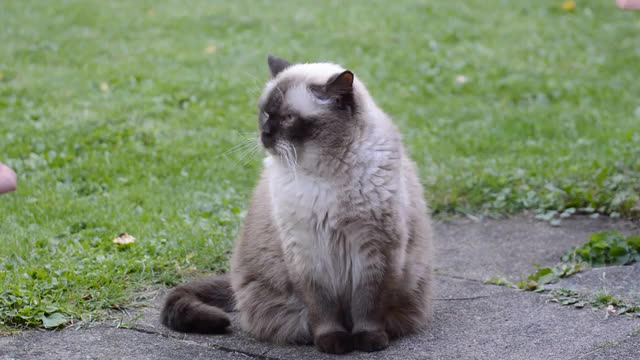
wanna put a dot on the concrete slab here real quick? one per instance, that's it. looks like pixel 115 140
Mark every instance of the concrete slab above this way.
pixel 472 321
pixel 627 348
pixel 106 343
pixel 509 248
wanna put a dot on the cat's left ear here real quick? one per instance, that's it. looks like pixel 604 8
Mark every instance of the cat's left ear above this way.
pixel 276 65
pixel 340 84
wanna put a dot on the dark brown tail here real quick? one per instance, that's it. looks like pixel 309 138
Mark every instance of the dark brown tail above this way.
pixel 199 306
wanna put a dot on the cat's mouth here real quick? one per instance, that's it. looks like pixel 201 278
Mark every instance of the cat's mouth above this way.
pixel 267 140
pixel 285 151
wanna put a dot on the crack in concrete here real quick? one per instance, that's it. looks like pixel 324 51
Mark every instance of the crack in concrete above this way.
pixel 608 344
pixel 249 354
pixel 210 345
pixel 462 298
pixel 457 277
pixel 264 354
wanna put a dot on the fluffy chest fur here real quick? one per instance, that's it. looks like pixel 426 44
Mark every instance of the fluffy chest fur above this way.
pixel 313 214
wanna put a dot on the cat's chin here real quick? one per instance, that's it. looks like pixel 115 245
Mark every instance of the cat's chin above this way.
pixel 267 161
pixel 271 159
pixel 272 152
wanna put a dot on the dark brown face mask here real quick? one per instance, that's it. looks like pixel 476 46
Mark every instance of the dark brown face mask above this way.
pixel 281 122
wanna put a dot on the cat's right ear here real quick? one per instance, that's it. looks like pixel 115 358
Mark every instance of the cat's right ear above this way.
pixel 276 65
pixel 340 84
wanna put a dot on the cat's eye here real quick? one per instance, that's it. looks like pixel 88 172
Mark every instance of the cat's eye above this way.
pixel 323 100
pixel 321 97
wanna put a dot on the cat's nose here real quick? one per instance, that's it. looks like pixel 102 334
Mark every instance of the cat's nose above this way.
pixel 267 127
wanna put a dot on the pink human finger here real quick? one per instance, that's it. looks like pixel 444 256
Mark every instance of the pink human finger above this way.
pixel 8 179
pixel 628 4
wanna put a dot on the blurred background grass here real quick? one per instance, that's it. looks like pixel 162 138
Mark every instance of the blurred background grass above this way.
pixel 118 116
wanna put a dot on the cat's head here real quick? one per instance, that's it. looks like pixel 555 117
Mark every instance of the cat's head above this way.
pixel 307 108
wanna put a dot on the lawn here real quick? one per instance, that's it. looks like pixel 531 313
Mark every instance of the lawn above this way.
pixel 119 116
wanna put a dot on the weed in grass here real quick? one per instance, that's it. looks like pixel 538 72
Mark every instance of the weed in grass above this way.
pixel 606 248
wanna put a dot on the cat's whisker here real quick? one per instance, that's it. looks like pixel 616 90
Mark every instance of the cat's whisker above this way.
pixel 239 147
pixel 294 160
pixel 251 150
pixel 247 134
pixel 295 155
pixel 283 153
pixel 249 153
pixel 240 150
pixel 290 157
pixel 247 143
pixel 246 153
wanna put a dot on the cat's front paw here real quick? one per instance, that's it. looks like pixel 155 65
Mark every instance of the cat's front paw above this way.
pixel 370 340
pixel 338 342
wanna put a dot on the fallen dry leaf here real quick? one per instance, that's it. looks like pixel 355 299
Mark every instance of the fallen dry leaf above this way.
pixel 104 87
pixel 210 49
pixel 568 5
pixel 124 239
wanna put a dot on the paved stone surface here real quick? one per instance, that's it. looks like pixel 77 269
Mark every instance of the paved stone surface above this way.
pixel 619 281
pixel 509 248
pixel 105 343
pixel 472 320
pixel 627 348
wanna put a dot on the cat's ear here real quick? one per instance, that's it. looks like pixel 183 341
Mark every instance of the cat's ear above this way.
pixel 276 65
pixel 340 84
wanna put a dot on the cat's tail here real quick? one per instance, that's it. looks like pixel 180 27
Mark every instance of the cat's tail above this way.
pixel 199 306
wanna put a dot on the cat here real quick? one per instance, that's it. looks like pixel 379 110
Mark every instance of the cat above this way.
pixel 336 246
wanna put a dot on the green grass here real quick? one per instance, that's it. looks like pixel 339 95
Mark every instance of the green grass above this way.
pixel 116 119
